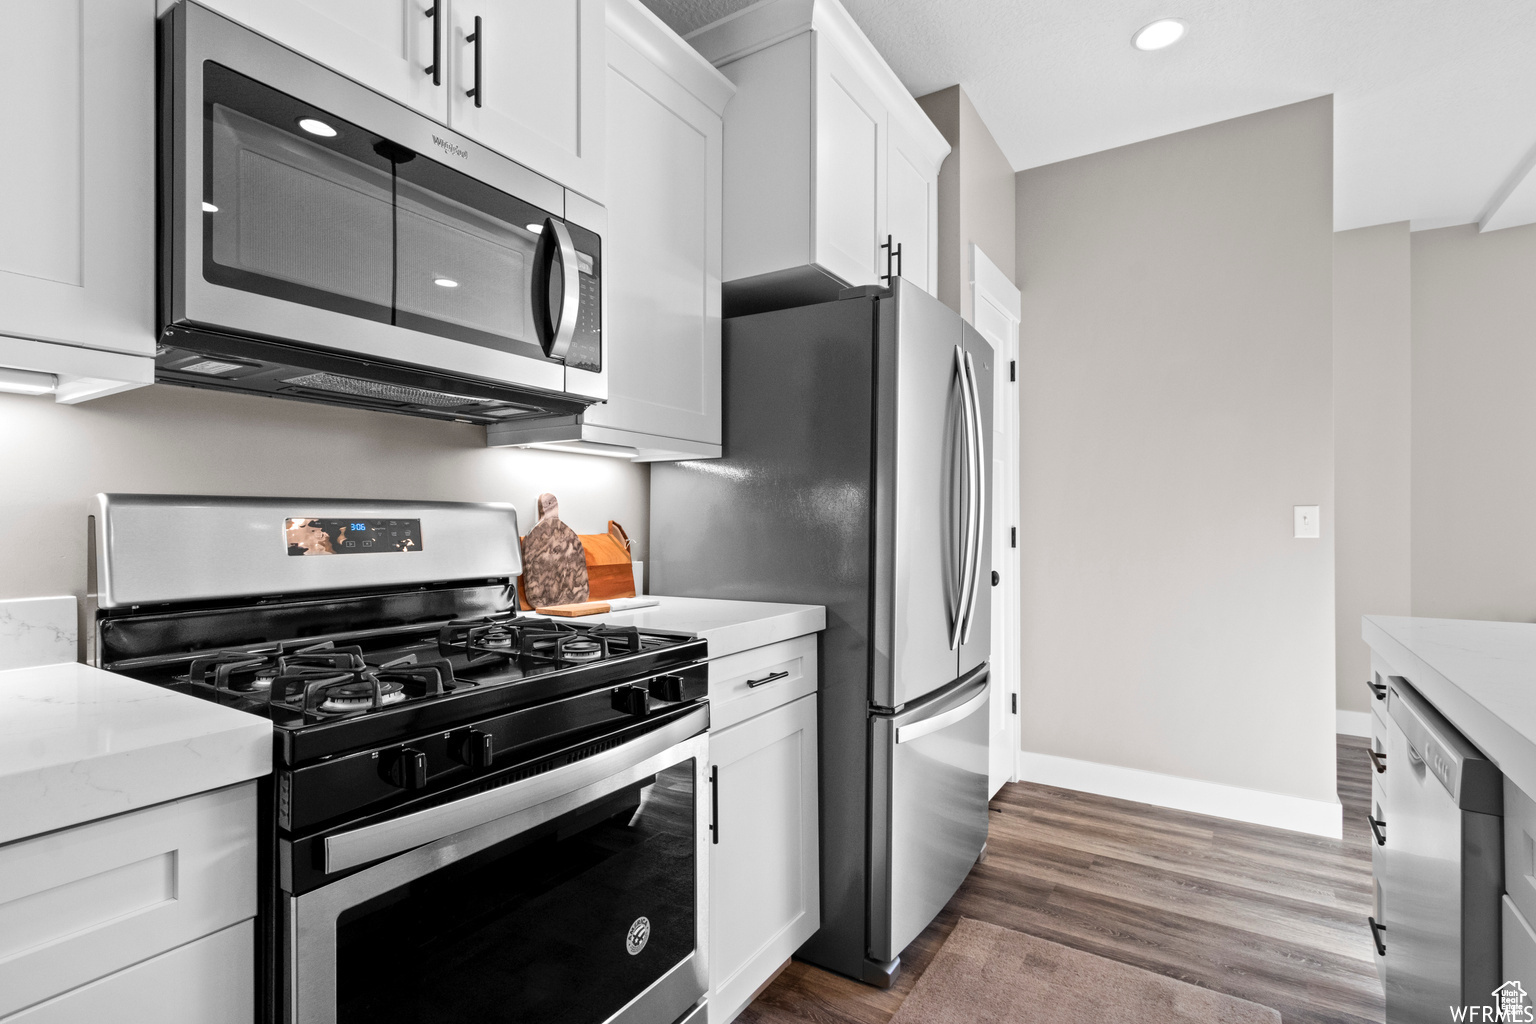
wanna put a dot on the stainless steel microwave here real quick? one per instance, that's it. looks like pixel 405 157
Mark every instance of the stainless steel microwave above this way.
pixel 322 242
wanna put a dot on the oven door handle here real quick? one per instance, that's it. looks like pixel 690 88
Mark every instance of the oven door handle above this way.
pixel 365 845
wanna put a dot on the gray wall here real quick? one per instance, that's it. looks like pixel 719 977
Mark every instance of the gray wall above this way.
pixel 178 440
pixel 976 197
pixel 1177 402
pixel 1474 423
pixel 1371 390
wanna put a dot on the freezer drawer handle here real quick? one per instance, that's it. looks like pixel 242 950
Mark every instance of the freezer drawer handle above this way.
pixel 1379 760
pixel 1376 930
pixel 772 676
pixel 1376 829
pixel 917 730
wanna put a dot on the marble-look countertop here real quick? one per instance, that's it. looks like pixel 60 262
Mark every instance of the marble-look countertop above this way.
pixel 37 631
pixel 77 744
pixel 1480 675
pixel 729 626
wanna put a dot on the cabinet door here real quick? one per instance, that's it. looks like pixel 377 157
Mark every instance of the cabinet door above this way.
pixel 207 980
pixel 912 210
pixel 386 45
pixel 849 168
pixel 77 260
pixel 540 95
pixel 663 254
pixel 764 882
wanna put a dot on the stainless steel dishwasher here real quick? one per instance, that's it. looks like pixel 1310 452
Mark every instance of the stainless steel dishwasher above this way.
pixel 1443 862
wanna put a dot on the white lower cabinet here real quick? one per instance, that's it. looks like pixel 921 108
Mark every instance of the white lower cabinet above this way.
pixel 764 880
pixel 210 980
pixel 146 914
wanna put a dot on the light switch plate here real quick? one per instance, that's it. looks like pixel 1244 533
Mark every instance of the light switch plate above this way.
pixel 1309 524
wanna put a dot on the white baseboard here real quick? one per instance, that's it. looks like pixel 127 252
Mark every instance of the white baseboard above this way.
pixel 1297 814
pixel 1354 723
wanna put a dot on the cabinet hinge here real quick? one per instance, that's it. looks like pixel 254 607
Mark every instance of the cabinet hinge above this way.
pixel 1013 369
pixel 1015 702
pixel 1013 536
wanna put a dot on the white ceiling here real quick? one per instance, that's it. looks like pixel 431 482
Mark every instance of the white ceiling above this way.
pixel 1434 100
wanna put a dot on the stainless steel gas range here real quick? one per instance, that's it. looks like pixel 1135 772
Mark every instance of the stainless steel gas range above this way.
pixel 475 815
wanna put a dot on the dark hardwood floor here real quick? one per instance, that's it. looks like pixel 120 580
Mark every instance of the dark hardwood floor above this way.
pixel 1272 916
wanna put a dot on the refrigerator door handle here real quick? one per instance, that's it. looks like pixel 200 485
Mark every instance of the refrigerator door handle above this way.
pixel 924 726
pixel 978 503
pixel 967 543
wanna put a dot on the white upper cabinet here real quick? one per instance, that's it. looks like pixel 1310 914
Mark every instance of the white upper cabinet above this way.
pixel 827 158
pixel 662 266
pixel 535 68
pixel 77 260
pixel 538 65
pixel 387 45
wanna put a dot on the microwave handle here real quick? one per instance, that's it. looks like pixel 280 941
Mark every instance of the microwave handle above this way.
pixel 556 328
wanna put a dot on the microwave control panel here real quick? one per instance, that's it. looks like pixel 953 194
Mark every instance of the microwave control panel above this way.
pixel 586 351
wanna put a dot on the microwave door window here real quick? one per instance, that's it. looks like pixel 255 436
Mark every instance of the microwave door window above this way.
pixel 464 260
pixel 301 201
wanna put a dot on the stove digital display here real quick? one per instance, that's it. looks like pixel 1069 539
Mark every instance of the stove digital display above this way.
pixel 312 536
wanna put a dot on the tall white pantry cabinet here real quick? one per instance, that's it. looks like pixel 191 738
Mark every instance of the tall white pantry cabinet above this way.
pixel 831 167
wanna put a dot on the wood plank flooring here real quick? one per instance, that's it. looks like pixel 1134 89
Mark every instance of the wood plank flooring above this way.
pixel 1272 916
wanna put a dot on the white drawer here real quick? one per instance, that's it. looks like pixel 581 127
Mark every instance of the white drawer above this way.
pixel 747 684
pixel 206 981
pixel 1520 850
pixel 82 903
pixel 1519 948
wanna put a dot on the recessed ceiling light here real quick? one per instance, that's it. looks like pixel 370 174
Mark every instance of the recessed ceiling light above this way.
pixel 1159 34
pixel 325 131
pixel 209 207
pixel 445 282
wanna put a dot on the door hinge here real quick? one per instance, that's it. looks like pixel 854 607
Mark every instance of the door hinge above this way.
pixel 1013 536
pixel 1013 369
pixel 1015 702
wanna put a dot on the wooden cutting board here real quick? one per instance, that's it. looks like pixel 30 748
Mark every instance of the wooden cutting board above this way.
pixel 609 570
pixel 554 567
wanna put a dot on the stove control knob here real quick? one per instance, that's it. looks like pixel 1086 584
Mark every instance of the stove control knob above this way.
pixel 668 688
pixel 407 768
pixel 474 748
pixel 632 700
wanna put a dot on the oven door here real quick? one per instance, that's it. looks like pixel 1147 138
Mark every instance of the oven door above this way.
pixel 582 907
pixel 302 208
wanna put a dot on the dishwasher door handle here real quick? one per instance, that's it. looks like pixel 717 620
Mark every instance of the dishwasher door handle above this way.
pixel 1376 930
pixel 1379 760
pixel 1376 829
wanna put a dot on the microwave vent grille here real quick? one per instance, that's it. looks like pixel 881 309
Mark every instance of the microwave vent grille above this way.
pixel 339 384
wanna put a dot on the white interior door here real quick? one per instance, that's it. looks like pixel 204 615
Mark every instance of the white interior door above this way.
pixel 997 319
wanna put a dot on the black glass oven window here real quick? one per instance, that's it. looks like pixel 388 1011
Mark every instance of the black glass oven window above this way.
pixel 561 925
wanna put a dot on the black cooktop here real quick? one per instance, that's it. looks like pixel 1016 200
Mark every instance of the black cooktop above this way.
pixel 325 697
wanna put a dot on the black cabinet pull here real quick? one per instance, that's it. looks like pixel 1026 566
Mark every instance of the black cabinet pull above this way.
pixel 768 679
pixel 1376 930
pixel 474 37
pixel 1379 760
pixel 892 259
pixel 1376 826
pixel 714 804
pixel 435 69
pixel 1378 690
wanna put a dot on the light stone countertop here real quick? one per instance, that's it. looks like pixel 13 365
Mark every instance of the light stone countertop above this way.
pixel 729 626
pixel 1480 675
pixel 78 743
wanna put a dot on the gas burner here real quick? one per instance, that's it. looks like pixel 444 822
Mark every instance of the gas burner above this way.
pixel 362 694
pixel 581 650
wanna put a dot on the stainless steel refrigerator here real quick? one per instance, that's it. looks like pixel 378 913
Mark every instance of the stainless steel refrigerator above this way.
pixel 854 476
